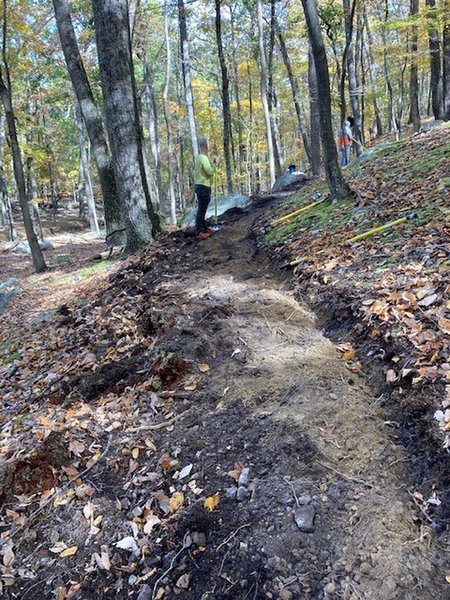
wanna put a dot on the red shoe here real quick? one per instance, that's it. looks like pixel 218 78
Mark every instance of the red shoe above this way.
pixel 203 235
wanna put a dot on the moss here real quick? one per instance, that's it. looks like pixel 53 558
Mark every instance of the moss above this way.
pixel 11 358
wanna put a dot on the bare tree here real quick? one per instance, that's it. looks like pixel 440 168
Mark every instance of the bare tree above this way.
pixel 339 189
pixel 173 204
pixel 435 61
pixel 446 51
pixel 85 171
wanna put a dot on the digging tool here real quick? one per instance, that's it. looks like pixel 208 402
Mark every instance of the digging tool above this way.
pixel 216 227
pixel 298 212
pixel 374 230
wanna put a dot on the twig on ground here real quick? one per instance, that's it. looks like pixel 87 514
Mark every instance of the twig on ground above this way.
pixel 348 477
pixel 157 426
pixel 230 537
pixel 293 491
pixel 187 541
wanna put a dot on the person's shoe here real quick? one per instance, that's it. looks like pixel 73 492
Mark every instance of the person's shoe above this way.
pixel 203 235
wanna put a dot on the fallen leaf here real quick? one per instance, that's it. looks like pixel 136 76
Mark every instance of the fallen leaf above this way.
pixel 8 557
pixel 135 453
pixel 391 376
pixel 203 367
pixel 236 472
pixel 185 471
pixel 69 551
pixel 151 522
pixel 176 501
pixel 211 502
pixel 444 324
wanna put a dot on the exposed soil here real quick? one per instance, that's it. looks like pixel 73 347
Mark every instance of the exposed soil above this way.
pixel 278 400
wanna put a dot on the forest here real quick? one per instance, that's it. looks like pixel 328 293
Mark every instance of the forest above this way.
pixel 252 406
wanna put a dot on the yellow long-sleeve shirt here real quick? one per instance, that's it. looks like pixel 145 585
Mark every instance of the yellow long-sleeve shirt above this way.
pixel 203 171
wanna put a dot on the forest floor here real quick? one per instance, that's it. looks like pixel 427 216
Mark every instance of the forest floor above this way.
pixel 178 425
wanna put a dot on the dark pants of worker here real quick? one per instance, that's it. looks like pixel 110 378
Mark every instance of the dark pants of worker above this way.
pixel 204 198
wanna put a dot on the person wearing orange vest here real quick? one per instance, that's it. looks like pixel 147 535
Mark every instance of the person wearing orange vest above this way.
pixel 345 140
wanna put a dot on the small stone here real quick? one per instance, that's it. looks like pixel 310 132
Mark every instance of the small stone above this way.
pixel 244 477
pixel 184 581
pixel 199 538
pixel 304 500
pixel 286 594
pixel 304 518
pixel 324 555
pixel 242 494
pixel 231 493
pixel 365 568
pixel 330 588
pixel 145 593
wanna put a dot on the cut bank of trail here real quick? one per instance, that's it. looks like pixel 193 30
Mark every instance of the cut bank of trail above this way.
pixel 321 509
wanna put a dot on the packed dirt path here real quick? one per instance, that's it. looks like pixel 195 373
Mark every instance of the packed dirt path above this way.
pixel 324 511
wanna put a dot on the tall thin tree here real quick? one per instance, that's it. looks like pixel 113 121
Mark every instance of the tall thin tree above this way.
pixel 339 189
pixel 19 174
pixel 414 69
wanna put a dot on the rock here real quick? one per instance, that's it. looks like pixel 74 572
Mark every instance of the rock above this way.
pixel 5 298
pixel 60 259
pixel 183 581
pixel 288 180
pixel 431 125
pixel 330 588
pixel 145 593
pixel 304 500
pixel 199 538
pixel 231 493
pixel 304 518
pixel 224 203
pixel 22 248
pixel 324 555
pixel 11 282
pixel 242 494
pixel 244 477
pixel 286 595
pixel 46 246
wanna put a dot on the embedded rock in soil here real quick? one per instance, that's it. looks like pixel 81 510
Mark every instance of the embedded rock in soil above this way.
pixel 304 518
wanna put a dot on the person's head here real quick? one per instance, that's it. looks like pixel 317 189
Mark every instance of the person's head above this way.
pixel 203 145
pixel 351 121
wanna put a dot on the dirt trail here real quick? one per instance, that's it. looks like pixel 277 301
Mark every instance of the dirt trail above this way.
pixel 279 401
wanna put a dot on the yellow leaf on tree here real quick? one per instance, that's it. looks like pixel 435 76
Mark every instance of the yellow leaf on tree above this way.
pixel 211 502
pixel 176 501
pixel 69 551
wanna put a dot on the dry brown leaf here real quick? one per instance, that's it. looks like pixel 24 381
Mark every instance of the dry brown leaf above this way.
pixel 176 501
pixel 203 367
pixel 69 551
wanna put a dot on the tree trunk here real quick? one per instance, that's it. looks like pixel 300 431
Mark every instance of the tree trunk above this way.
pixel 186 70
pixel 170 158
pixel 225 99
pixel 446 52
pixel 116 73
pixel 19 175
pixel 350 68
pixel 435 61
pixel 414 80
pixel 339 189
pixel 86 177
pixel 93 120
pixel 264 93
pixel 133 6
pixel 271 98
pixel 314 109
pixel 296 97
pixel 378 124
pixel 153 128
pixel 237 95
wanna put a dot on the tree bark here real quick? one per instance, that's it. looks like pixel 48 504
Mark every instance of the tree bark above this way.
pixel 237 95
pixel 414 79
pixel 271 98
pixel 225 99
pixel 153 128
pixel 435 61
pixel 446 52
pixel 170 158
pixel 314 109
pixel 93 121
pixel 264 93
pixel 338 187
pixel 19 175
pixel 378 124
pixel 85 173
pixel 117 80
pixel 186 70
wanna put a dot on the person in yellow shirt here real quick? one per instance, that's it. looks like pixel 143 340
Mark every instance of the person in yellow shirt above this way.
pixel 203 180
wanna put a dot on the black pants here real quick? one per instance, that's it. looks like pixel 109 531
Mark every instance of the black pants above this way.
pixel 204 198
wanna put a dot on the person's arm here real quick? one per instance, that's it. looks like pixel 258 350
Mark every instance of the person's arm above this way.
pixel 207 166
